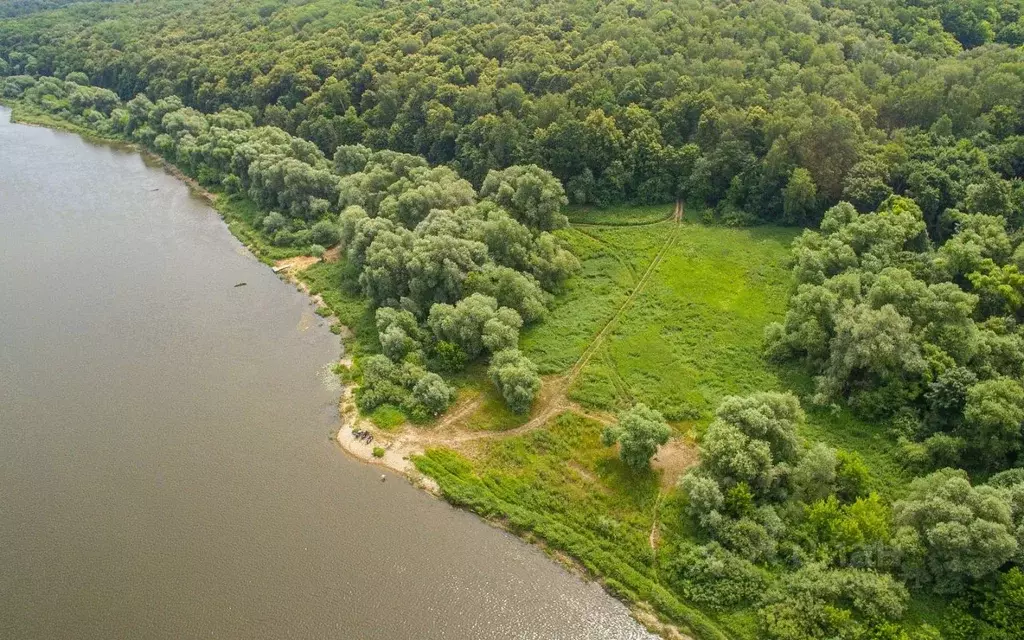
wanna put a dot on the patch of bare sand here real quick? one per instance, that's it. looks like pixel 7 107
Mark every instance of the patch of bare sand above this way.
pixel 294 265
pixel 333 254
pixel 398 450
pixel 674 459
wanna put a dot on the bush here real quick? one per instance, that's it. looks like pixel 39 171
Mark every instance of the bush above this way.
pixel 325 233
pixel 232 184
pixel 274 222
pixel 382 383
pixel 432 392
pixel 818 602
pixel 387 417
pixel 15 86
pixel 378 452
pixel 712 576
pixel 990 611
pixel 287 238
pixel 449 357
pixel 317 251
pixel 639 433
pixel 398 331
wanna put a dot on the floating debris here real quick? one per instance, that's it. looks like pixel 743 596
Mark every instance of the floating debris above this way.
pixel 240 284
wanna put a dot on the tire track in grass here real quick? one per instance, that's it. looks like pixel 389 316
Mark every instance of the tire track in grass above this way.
pixel 612 251
pixel 556 400
pixel 588 353
pixel 553 397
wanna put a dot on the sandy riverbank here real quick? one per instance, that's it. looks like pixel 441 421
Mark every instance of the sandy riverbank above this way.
pixel 397 451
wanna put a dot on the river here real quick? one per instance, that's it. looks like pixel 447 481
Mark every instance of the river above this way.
pixel 165 468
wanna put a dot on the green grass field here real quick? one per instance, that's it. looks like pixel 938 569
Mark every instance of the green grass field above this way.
pixel 579 312
pixel 694 334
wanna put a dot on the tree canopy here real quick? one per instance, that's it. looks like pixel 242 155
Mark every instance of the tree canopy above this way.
pixel 770 110
pixel 909 328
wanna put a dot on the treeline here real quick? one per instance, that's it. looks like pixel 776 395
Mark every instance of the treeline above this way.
pixel 14 8
pixel 764 111
pixel 452 273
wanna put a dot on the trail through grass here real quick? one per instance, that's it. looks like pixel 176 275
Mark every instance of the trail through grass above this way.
pixel 695 334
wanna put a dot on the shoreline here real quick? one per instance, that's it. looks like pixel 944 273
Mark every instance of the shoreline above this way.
pixel 403 444
pixel 46 121
pixel 397 452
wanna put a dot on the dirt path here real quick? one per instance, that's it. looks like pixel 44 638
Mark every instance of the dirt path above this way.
pixel 655 535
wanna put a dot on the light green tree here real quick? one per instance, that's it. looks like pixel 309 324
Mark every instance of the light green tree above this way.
pixel 950 533
pixel 515 376
pixel 639 432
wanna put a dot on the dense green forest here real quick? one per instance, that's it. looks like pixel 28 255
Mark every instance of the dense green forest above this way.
pixel 437 144
pixel 765 110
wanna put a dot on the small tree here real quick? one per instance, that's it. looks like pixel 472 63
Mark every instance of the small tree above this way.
pixel 639 432
pixel 516 378
pixel 398 331
pixel 274 222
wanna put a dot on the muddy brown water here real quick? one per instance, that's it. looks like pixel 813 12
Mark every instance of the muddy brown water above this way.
pixel 165 468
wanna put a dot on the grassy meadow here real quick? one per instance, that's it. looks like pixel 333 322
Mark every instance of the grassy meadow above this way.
pixel 694 333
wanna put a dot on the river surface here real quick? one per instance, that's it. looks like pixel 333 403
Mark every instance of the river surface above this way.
pixel 165 468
